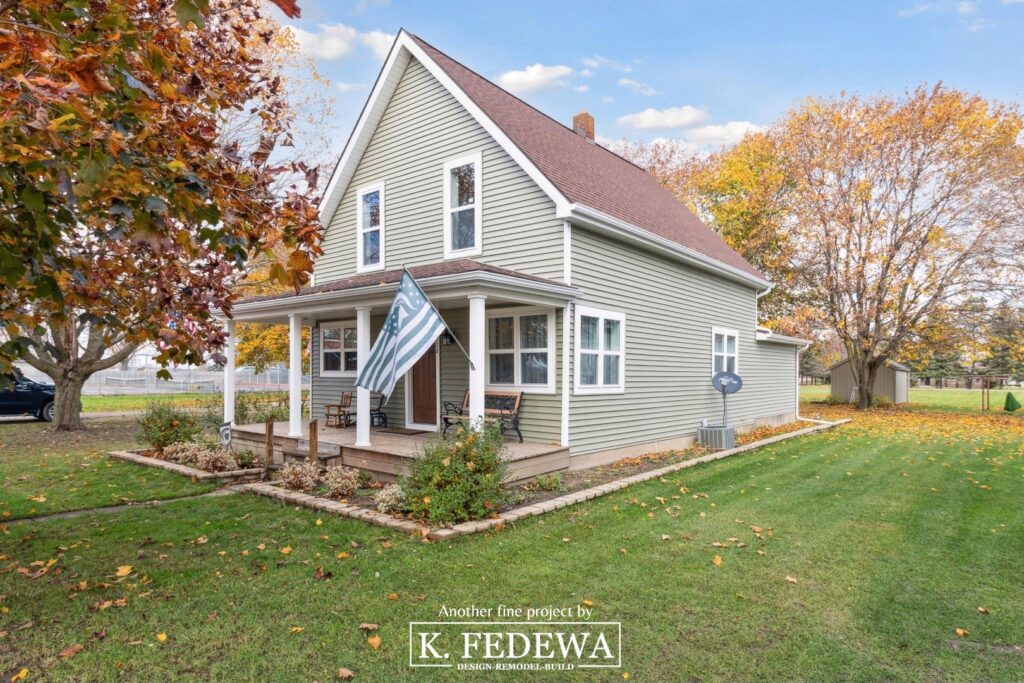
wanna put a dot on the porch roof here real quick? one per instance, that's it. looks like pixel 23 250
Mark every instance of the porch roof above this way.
pixel 444 282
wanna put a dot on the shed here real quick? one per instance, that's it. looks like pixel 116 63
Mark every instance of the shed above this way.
pixel 891 381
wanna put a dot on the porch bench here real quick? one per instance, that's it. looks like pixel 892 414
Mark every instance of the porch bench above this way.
pixel 501 407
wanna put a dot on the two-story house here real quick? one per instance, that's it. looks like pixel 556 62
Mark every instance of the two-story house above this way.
pixel 568 273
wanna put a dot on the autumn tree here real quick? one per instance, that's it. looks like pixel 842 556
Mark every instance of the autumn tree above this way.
pixel 1004 341
pixel 901 206
pixel 126 212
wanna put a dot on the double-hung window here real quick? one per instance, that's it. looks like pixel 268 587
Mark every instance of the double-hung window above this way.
pixel 370 228
pixel 600 352
pixel 462 207
pixel 725 351
pixel 338 357
pixel 521 349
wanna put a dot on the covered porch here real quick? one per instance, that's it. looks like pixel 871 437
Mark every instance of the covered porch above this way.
pixel 477 301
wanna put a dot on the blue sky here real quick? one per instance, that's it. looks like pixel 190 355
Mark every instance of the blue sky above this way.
pixel 704 72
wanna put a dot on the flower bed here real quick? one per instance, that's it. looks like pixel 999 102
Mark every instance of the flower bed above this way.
pixel 145 457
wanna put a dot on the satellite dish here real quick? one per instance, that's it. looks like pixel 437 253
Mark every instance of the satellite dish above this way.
pixel 727 382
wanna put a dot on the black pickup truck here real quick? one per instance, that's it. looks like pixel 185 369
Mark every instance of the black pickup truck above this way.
pixel 22 396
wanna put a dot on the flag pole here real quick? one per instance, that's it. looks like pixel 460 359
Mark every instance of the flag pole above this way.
pixel 457 342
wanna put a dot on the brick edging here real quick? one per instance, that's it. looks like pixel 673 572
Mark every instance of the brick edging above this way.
pixel 229 477
pixel 514 515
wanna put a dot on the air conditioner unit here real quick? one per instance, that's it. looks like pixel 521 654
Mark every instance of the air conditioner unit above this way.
pixel 716 438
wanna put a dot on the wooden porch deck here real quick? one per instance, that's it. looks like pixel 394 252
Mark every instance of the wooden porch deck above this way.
pixel 391 453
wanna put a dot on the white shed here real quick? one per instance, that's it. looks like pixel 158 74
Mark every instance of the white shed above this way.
pixel 892 381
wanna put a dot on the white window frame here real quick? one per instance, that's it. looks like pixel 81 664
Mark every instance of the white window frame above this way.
pixel 477 160
pixel 729 332
pixel 360 193
pixel 600 387
pixel 337 325
pixel 517 350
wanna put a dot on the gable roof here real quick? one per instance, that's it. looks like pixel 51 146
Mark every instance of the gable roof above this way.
pixel 588 183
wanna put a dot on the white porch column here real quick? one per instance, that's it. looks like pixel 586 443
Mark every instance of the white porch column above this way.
pixel 229 372
pixel 477 355
pixel 362 394
pixel 294 375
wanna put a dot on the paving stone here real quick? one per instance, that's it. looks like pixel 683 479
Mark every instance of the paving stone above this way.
pixel 443 534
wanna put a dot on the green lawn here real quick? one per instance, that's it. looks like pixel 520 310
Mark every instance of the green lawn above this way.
pixel 42 472
pixel 109 404
pixel 924 398
pixel 896 528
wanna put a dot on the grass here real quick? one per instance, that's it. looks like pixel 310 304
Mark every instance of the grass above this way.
pixel 43 472
pixel 928 399
pixel 896 528
pixel 92 403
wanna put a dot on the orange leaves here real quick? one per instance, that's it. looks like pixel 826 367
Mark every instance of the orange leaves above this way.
pixel 123 571
pixel 71 651
pixel 374 641
pixel 85 70
pixel 717 560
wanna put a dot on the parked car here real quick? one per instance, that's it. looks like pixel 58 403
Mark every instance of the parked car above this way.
pixel 27 397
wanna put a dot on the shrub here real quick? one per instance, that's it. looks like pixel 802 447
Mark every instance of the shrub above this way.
pixel 184 453
pixel 248 458
pixel 341 481
pixel 545 482
pixel 300 476
pixel 458 479
pixel 391 498
pixel 216 460
pixel 882 401
pixel 161 425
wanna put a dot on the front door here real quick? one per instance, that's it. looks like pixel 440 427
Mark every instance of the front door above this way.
pixel 423 389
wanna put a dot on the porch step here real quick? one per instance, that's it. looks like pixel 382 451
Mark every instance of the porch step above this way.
pixel 324 459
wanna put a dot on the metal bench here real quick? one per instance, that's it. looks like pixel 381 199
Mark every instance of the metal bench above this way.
pixel 499 406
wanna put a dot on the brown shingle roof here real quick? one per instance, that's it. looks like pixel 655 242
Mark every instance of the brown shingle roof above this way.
pixel 587 173
pixel 386 277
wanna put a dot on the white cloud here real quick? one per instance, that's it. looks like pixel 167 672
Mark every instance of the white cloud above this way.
pixel 337 41
pixel 720 135
pixel 638 87
pixel 597 61
pixel 919 8
pixel 582 88
pixel 663 119
pixel 587 73
pixel 1012 2
pixel 378 41
pixel 349 87
pixel 533 78
pixel 966 8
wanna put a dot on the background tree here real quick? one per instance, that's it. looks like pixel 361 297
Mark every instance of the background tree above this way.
pixel 901 206
pixel 1004 341
pixel 126 215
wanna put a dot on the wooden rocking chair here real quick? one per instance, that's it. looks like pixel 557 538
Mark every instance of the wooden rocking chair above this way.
pixel 339 414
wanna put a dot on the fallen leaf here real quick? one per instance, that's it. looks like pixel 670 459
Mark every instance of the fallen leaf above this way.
pixel 374 642
pixel 665 537
pixel 983 610
pixel 343 555
pixel 392 596
pixel 262 546
pixel 71 650
pixel 297 629
pixel 962 632
pixel 716 560
pixel 286 550
pixel 319 522
pixel 368 627
pixel 321 574
pixel 791 579
pixel 201 540
pixel 588 603
pixel 162 637
pixel 20 676
pixel 345 674
pixel 38 499
pixel 124 570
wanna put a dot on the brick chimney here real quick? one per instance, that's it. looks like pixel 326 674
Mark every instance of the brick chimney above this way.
pixel 583 123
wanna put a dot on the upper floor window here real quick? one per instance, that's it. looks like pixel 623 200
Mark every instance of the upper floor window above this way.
pixel 725 350
pixel 338 356
pixel 600 351
pixel 370 228
pixel 462 207
pixel 521 349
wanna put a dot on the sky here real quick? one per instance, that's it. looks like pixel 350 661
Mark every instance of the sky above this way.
pixel 702 72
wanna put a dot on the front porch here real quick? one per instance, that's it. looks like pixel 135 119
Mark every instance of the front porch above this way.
pixel 390 453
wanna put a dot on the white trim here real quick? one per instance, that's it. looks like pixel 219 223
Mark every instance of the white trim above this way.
pixel 567 252
pixel 606 224
pixel 362 393
pixel 727 332
pixel 476 159
pixel 566 319
pixel 407 390
pixel 517 351
pixel 338 325
pixel 580 390
pixel 403 48
pixel 360 193
pixel 229 371
pixel 294 376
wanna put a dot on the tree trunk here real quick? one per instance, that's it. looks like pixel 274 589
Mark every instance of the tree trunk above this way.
pixel 68 404
pixel 864 371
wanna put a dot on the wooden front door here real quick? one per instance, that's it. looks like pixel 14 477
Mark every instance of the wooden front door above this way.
pixel 423 391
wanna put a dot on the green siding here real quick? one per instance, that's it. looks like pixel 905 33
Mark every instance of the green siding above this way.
pixel 670 310
pixel 422 127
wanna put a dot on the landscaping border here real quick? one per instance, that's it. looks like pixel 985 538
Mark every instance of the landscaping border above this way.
pixel 229 477
pixel 514 515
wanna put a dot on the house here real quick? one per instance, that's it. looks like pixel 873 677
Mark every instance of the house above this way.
pixel 892 382
pixel 567 272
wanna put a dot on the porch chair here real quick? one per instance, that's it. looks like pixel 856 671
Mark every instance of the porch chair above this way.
pixel 499 406
pixel 378 418
pixel 339 414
